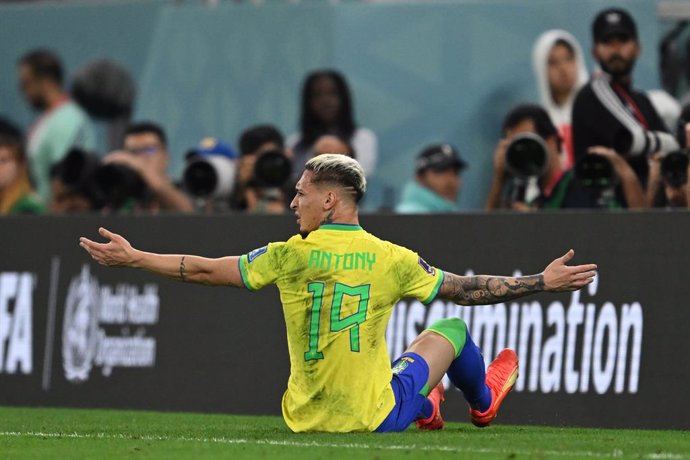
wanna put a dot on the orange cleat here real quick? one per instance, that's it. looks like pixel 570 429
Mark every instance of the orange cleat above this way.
pixel 500 378
pixel 435 422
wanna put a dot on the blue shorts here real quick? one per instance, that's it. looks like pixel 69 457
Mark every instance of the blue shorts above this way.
pixel 410 376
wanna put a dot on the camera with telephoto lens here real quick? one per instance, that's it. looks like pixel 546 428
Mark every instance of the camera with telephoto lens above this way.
pixel 674 168
pixel 526 156
pixel 210 170
pixel 75 172
pixel 595 172
pixel 640 141
pixel 526 160
pixel 271 172
pixel 119 185
pixel 110 185
pixel 272 169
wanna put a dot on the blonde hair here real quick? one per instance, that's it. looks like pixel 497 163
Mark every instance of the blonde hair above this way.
pixel 341 170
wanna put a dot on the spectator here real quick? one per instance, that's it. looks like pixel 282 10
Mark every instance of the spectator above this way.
pixel 146 153
pixel 552 187
pixel 608 109
pixel 263 173
pixel 437 182
pixel 327 109
pixel 330 143
pixel 62 124
pixel 16 195
pixel 560 71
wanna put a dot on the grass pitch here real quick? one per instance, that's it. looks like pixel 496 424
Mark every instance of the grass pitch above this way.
pixel 102 434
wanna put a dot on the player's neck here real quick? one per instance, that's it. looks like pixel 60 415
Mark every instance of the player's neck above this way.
pixel 348 216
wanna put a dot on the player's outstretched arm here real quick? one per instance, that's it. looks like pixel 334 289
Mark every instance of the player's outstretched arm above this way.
pixel 117 252
pixel 488 289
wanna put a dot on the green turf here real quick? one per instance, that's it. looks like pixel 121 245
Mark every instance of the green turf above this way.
pixel 103 434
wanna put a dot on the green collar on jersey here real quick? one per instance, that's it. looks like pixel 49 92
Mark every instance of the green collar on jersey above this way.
pixel 344 227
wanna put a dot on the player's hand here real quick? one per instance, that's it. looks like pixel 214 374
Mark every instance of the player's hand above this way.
pixel 559 277
pixel 115 253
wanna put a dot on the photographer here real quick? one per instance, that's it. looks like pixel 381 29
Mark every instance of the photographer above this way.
pixel 607 111
pixel 617 187
pixel 263 172
pixel 525 186
pixel 73 188
pixel 667 185
pixel 145 153
pixel 81 182
pixel 528 174
pixel 209 174
pixel 670 173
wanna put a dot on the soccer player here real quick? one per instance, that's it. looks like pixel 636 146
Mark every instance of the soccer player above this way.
pixel 338 285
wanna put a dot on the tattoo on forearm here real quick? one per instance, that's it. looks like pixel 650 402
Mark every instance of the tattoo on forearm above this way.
pixel 183 275
pixel 482 289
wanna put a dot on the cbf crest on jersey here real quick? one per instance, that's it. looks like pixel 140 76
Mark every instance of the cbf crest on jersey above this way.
pixel 427 268
pixel 402 364
pixel 256 253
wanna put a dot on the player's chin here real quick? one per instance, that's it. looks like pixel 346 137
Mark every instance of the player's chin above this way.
pixel 305 230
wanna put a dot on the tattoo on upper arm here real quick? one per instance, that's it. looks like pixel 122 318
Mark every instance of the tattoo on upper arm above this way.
pixel 183 275
pixel 482 289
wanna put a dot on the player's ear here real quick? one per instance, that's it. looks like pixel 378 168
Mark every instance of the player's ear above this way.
pixel 329 200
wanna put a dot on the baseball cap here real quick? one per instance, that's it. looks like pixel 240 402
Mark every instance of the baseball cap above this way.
pixel 611 22
pixel 439 157
pixel 212 146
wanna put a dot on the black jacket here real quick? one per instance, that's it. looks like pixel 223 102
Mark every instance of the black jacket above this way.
pixel 601 110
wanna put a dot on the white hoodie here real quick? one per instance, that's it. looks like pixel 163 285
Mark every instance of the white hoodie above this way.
pixel 540 59
pixel 560 115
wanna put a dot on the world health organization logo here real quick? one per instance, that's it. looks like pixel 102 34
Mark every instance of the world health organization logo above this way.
pixel 80 326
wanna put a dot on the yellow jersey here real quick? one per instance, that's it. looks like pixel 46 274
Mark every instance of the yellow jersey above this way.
pixel 338 287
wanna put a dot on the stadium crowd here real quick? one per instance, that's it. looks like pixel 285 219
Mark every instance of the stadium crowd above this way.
pixel 592 141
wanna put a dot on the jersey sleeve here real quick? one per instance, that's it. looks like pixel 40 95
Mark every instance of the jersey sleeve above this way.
pixel 417 278
pixel 261 266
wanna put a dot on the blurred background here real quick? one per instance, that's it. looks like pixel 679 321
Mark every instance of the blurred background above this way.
pixel 419 71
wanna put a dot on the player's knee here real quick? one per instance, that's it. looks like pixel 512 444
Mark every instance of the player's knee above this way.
pixel 452 329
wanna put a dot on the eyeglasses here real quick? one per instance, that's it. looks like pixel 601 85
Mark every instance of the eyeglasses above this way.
pixel 145 150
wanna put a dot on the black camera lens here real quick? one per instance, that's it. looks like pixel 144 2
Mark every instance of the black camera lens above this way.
pixel 272 169
pixel 595 171
pixel 76 166
pixel 674 168
pixel 119 184
pixel 200 178
pixel 526 155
